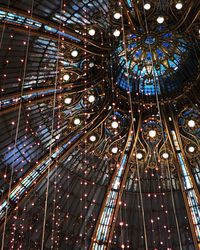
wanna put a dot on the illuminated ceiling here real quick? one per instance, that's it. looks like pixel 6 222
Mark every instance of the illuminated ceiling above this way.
pixel 100 124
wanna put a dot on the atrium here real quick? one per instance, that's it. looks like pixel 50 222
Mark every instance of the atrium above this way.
pixel 100 124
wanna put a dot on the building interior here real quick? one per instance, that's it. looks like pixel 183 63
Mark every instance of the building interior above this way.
pixel 100 124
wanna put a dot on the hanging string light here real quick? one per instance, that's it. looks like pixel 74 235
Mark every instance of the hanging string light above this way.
pixel 17 130
pixel 162 128
pixel 84 170
pixel 52 133
pixel 133 129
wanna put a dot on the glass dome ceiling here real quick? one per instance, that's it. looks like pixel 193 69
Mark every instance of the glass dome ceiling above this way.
pixel 99 125
pixel 155 62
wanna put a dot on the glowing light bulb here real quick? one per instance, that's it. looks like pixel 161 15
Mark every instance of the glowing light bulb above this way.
pixel 147 6
pixel 117 15
pixel 57 137
pixel 91 32
pixel 114 150
pixel 66 77
pixel 179 5
pixel 68 100
pixel 152 133
pixel 139 156
pixel 91 64
pixel 74 53
pixel 165 155
pixel 116 33
pixel 160 19
pixel 191 123
pixel 91 98
pixel 93 138
pixel 77 121
pixel 191 149
pixel 114 124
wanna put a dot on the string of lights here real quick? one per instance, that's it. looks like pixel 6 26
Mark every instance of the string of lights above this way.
pixel 99 124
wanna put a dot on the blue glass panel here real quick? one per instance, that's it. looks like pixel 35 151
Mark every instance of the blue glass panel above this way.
pixel 160 53
pixel 149 56
pixel 166 45
pixel 132 45
pixel 167 35
pixel 172 64
pixel 138 53
pixel 75 7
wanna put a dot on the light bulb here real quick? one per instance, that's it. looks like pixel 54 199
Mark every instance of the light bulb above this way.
pixel 139 156
pixel 57 136
pixel 165 155
pixel 179 5
pixel 91 64
pixel 114 124
pixel 116 33
pixel 152 133
pixel 91 98
pixel 117 15
pixel 114 150
pixel 93 138
pixel 191 123
pixel 147 6
pixel 160 19
pixel 66 77
pixel 191 149
pixel 91 32
pixel 74 53
pixel 77 121
pixel 68 100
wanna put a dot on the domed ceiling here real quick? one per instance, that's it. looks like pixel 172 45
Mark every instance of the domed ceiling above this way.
pixel 100 124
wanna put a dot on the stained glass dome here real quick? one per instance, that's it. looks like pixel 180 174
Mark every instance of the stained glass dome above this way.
pixel 99 125
pixel 155 62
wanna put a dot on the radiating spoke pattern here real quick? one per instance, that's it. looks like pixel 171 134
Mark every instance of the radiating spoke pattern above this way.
pixel 99 124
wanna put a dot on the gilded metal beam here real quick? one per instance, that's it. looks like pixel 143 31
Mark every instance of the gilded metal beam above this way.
pixel 106 231
pixel 135 137
pixel 53 25
pixel 183 192
pixel 67 89
pixel 90 126
pixel 127 11
pixel 54 37
pixel 175 121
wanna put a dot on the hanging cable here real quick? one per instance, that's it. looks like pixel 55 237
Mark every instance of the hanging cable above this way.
pixel 17 129
pixel 133 129
pixel 4 25
pixel 113 101
pixel 162 131
pixel 52 130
